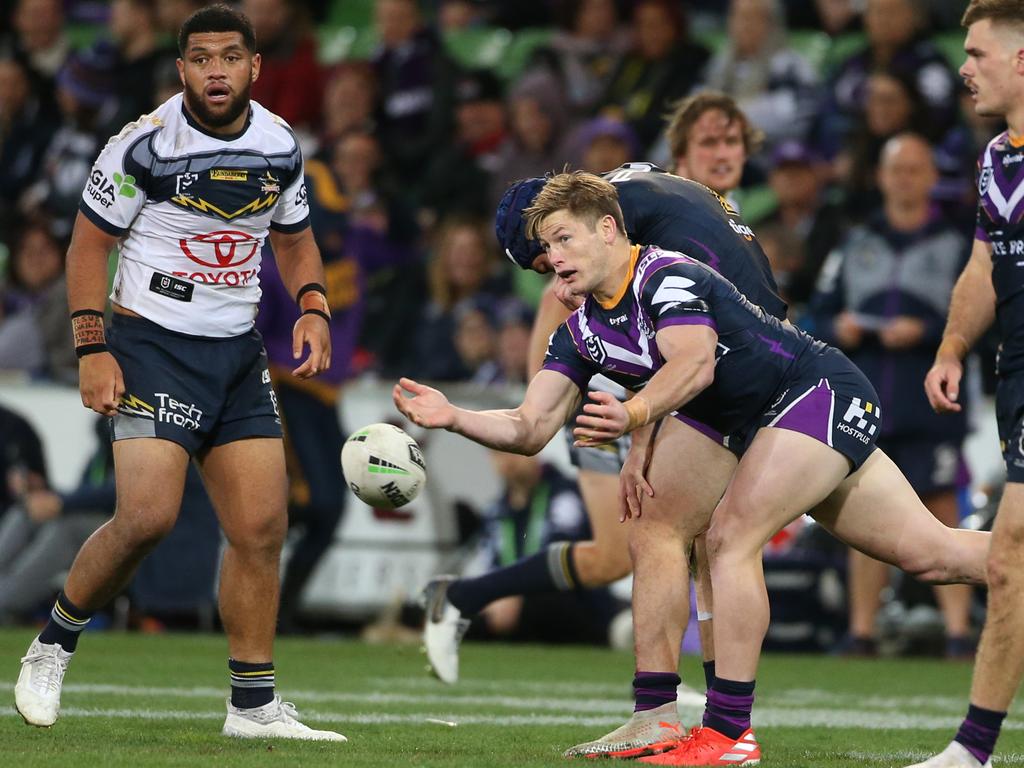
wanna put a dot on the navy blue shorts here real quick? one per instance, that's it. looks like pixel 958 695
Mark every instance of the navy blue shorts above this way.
pixel 931 466
pixel 1010 421
pixel 827 398
pixel 197 391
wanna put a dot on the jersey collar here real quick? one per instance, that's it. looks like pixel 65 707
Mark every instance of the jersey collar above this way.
pixel 220 136
pixel 634 254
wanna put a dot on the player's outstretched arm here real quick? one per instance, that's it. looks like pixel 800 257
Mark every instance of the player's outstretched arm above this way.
pixel 971 311
pixel 298 261
pixel 689 353
pixel 100 381
pixel 549 400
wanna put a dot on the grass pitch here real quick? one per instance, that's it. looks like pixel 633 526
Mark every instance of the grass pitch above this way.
pixel 139 700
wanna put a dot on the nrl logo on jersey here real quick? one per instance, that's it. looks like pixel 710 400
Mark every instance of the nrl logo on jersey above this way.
pixel 984 179
pixel 596 350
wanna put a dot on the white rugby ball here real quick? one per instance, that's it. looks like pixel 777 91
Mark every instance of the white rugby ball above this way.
pixel 383 466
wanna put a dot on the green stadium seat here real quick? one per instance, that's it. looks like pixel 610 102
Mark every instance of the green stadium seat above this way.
pixel 519 53
pixel 811 44
pixel 756 203
pixel 478 47
pixel 952 46
pixel 83 36
pixel 339 43
pixel 350 13
pixel 842 48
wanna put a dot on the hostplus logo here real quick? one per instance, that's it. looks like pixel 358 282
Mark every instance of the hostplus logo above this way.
pixel 857 420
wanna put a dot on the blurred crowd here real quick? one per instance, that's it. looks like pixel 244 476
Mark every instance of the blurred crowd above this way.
pixel 411 136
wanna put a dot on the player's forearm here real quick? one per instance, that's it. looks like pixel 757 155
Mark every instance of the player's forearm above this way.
pixel 86 271
pixel 502 430
pixel 300 266
pixel 677 382
pixel 971 312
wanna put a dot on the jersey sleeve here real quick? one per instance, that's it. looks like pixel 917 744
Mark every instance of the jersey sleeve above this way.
pixel 564 357
pixel 981 221
pixel 674 292
pixel 115 191
pixel 292 211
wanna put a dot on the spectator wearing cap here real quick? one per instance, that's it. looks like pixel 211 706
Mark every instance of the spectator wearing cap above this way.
pixel 662 66
pixel 85 98
pixel 291 81
pixel 458 179
pixel 808 211
pixel 882 297
pixel 602 144
pixel 774 85
pixel 415 79
pixel 26 127
pixel 538 120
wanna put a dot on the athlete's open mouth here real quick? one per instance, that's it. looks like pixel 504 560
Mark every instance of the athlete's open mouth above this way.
pixel 218 93
pixel 565 274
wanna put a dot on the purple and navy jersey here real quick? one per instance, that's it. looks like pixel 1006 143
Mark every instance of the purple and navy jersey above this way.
pixel 754 355
pixel 1001 224
pixel 679 214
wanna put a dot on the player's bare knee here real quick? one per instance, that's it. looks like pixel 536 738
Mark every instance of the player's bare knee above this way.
pixel 263 533
pixel 141 530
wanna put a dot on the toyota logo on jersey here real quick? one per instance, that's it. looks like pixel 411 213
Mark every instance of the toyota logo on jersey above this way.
pixel 222 249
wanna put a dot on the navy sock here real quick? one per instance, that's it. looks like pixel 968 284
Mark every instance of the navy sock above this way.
pixel 65 625
pixel 709 674
pixel 252 685
pixel 728 708
pixel 979 731
pixel 549 570
pixel 654 689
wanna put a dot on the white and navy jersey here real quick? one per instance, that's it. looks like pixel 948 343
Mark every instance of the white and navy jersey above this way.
pixel 192 210
pixel 755 350
pixel 1001 223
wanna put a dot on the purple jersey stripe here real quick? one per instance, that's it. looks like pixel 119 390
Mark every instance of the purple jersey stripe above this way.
pixel 704 429
pixel 677 320
pixel 578 378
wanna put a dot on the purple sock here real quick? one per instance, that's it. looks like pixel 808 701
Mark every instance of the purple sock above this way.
pixel 979 731
pixel 728 708
pixel 654 689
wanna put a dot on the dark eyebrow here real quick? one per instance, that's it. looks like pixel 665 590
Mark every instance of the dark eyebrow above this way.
pixel 231 48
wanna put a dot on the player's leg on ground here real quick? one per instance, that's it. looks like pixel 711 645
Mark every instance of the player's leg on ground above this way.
pixel 877 511
pixel 688 473
pixel 866 578
pixel 150 476
pixel 999 664
pixel 954 599
pixel 245 480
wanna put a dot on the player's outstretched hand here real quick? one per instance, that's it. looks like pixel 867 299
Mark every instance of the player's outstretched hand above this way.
pixel 633 485
pixel 426 408
pixel 942 385
pixel 602 421
pixel 100 382
pixel 314 332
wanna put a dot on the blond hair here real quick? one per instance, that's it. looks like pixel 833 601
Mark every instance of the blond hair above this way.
pixel 583 194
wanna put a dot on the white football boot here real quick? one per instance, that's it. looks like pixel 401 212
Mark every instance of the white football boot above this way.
pixel 645 733
pixel 274 720
pixel 953 756
pixel 443 630
pixel 37 692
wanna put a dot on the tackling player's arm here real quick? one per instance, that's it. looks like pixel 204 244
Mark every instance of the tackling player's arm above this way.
pixel 302 271
pixel 689 368
pixel 551 313
pixel 100 380
pixel 550 400
pixel 971 311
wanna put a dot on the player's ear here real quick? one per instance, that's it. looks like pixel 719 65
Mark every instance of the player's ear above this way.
pixel 181 71
pixel 254 74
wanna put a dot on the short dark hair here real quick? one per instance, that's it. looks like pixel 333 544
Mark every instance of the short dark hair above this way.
pixel 998 11
pixel 217 18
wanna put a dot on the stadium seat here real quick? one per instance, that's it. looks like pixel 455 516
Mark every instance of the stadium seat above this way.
pixel 478 47
pixel 519 53
pixel 350 13
pixel 811 44
pixel 339 43
pixel 951 44
pixel 756 203
pixel 83 36
pixel 842 48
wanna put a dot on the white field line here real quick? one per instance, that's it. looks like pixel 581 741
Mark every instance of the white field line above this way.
pixel 584 712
